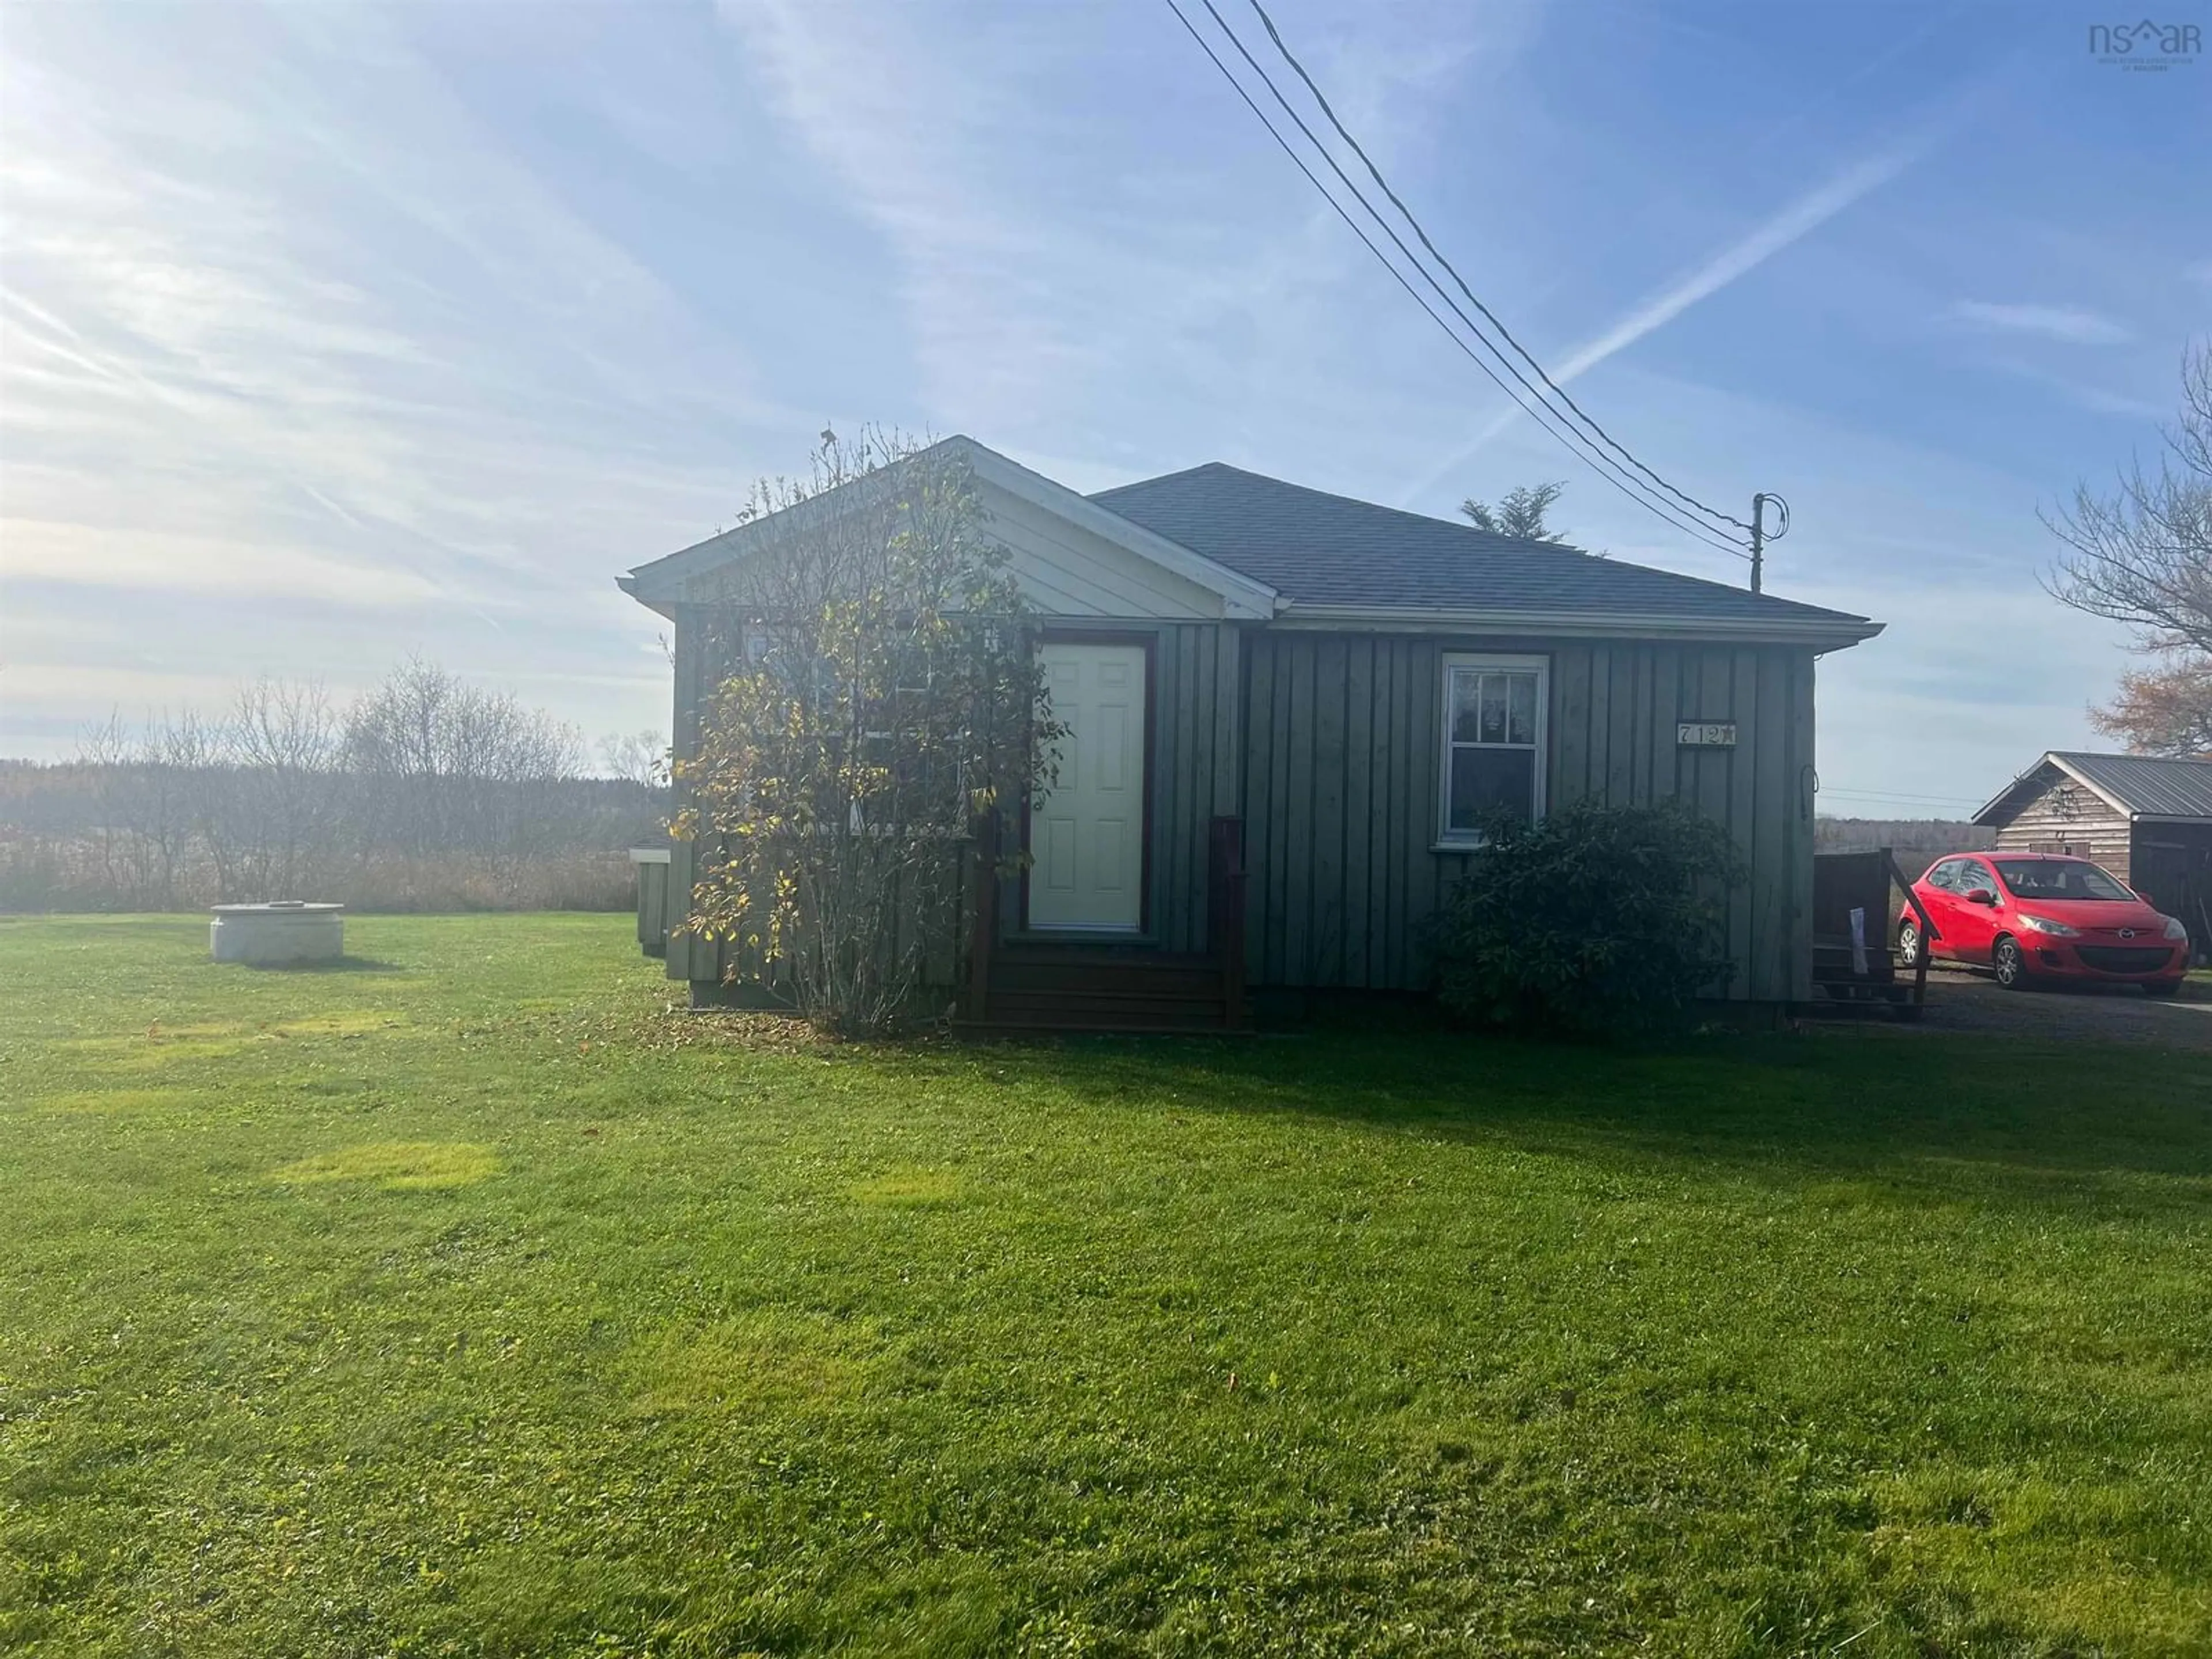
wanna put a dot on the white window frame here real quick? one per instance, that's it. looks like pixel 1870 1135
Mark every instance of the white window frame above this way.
pixel 1453 840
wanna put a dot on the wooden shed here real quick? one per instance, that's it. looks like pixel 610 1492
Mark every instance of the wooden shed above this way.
pixel 1315 701
pixel 2146 819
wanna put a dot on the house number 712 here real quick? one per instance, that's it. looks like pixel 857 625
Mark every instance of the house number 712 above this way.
pixel 1706 734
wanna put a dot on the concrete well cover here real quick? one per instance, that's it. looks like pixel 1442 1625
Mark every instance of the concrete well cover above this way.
pixel 283 930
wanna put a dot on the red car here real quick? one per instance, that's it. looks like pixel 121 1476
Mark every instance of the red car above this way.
pixel 2039 918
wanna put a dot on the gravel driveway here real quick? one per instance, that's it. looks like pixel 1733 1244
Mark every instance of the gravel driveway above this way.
pixel 1960 1001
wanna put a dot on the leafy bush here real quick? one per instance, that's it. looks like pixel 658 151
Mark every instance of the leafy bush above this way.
pixel 1598 920
pixel 878 693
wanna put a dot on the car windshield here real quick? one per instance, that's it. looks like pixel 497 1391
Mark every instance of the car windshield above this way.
pixel 2037 879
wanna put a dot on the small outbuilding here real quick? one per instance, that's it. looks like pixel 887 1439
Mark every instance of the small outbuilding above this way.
pixel 2147 820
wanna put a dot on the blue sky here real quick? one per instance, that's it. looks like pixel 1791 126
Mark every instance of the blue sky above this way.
pixel 336 334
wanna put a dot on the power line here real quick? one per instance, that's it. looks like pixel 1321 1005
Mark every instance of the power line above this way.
pixel 1608 468
pixel 1376 172
pixel 1916 800
pixel 1627 486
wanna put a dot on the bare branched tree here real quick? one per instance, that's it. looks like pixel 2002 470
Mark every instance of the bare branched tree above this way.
pixel 143 822
pixel 880 691
pixel 2142 555
pixel 426 791
pixel 281 747
pixel 455 765
pixel 638 757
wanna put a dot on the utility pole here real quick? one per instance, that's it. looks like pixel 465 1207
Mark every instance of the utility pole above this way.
pixel 1760 535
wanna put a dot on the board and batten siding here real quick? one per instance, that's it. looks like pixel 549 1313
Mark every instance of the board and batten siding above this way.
pixel 1343 774
pixel 1079 580
pixel 1196 735
pixel 1195 746
pixel 688 958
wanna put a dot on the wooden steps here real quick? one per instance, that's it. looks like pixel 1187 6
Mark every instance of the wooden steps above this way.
pixel 1027 985
pixel 1091 988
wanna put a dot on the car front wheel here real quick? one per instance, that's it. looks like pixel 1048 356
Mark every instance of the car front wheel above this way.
pixel 2011 965
pixel 1908 944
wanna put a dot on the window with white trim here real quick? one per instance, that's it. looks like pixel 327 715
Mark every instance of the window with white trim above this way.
pixel 1493 748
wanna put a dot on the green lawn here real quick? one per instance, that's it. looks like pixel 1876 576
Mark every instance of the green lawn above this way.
pixel 466 1303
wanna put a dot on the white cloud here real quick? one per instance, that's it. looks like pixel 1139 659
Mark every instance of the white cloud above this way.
pixel 93 691
pixel 1797 219
pixel 1055 253
pixel 166 562
pixel 2096 399
pixel 1780 230
pixel 286 330
pixel 2066 325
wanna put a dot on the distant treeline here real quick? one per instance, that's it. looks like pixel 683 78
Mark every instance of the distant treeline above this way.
pixel 1917 843
pixel 428 794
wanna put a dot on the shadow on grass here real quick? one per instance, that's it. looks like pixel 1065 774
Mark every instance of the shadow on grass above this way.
pixel 1955 1115
pixel 330 965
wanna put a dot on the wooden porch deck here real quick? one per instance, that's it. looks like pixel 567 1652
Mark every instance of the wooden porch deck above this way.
pixel 1036 986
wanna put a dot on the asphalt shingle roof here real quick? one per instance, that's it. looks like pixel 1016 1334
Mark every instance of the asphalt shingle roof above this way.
pixel 2162 788
pixel 1315 548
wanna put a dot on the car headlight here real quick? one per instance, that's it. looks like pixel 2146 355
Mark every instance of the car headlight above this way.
pixel 2045 925
pixel 2174 930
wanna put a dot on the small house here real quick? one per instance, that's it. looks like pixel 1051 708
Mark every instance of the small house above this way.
pixel 2146 819
pixel 1318 700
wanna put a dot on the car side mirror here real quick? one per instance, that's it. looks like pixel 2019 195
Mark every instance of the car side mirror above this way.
pixel 1981 896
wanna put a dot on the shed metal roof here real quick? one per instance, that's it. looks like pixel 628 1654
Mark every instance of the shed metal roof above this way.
pixel 2141 785
pixel 1328 552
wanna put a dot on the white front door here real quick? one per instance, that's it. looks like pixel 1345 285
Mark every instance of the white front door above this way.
pixel 1087 830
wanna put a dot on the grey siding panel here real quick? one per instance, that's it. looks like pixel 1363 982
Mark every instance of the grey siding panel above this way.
pixel 1163 905
pixel 1195 690
pixel 1188 716
pixel 1707 688
pixel 1328 745
pixel 691 690
pixel 1269 814
pixel 1358 779
pixel 1228 722
pixel 1160 746
pixel 1187 852
pixel 1742 768
pixel 1192 760
pixel 1297 853
pixel 1570 743
pixel 1427 875
pixel 1342 771
pixel 1663 763
pixel 1393 813
pixel 1770 828
pixel 1796 923
pixel 1622 667
pixel 1331 765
